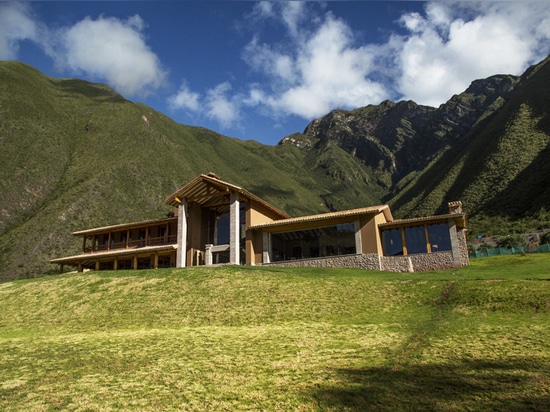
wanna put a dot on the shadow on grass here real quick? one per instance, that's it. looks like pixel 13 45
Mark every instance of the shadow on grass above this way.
pixel 516 385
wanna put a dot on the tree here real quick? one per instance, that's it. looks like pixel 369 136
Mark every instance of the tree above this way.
pixel 511 241
pixel 545 238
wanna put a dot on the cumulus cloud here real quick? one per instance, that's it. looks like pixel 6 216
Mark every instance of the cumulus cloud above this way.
pixel 16 25
pixel 106 49
pixel 444 50
pixel 185 99
pixel 220 107
pixel 322 70
pixel 115 50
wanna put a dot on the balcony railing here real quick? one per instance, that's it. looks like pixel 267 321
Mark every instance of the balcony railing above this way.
pixel 133 244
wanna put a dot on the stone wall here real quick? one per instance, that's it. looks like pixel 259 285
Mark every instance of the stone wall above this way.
pixel 369 261
pixel 463 247
pixel 412 263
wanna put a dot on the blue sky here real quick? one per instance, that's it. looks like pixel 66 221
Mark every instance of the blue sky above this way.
pixel 263 70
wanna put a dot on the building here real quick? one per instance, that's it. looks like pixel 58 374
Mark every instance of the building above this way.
pixel 217 222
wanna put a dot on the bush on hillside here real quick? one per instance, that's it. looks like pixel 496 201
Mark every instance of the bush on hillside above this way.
pixel 511 241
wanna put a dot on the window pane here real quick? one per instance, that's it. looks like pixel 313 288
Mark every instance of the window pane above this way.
pixel 415 239
pixel 393 245
pixel 439 237
pixel 312 243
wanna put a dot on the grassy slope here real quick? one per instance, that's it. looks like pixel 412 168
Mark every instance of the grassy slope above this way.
pixel 280 339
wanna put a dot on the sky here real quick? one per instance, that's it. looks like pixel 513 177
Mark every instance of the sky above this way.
pixel 264 70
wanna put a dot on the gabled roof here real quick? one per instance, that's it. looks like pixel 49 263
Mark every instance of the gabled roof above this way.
pixel 323 218
pixel 210 191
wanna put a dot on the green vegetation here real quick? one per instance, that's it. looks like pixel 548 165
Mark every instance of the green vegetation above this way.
pixel 253 338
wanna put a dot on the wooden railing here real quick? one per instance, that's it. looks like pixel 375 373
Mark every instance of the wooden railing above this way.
pixel 132 244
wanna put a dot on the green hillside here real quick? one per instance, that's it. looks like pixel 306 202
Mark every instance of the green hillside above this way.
pixel 251 338
pixel 76 155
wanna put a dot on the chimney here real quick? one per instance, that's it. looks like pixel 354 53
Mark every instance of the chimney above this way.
pixel 455 208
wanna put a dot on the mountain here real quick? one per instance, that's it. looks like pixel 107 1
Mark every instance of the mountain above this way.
pixel 488 146
pixel 76 155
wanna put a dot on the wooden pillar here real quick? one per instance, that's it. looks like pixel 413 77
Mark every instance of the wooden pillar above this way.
pixel 93 243
pixel 134 262
pixel 115 264
pixel 97 265
pixel 127 238
pixel 109 241
pixel 146 235
pixel 84 244
pixel 156 260
pixel 427 236
pixel 79 267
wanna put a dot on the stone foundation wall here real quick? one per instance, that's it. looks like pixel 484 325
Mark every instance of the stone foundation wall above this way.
pixel 417 263
pixel 412 263
pixel 370 261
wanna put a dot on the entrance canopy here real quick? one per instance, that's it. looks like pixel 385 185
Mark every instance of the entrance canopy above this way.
pixel 209 191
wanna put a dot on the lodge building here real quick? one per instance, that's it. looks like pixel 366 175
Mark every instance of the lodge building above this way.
pixel 216 222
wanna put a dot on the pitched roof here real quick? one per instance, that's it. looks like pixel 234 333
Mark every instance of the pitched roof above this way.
pixel 332 217
pixel 210 191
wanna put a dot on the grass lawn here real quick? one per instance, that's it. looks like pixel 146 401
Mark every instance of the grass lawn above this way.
pixel 252 338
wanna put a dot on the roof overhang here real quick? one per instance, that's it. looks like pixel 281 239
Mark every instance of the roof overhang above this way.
pixel 133 225
pixel 85 257
pixel 324 219
pixel 210 191
pixel 459 218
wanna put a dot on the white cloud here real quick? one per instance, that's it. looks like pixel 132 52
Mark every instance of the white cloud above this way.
pixel 220 107
pixel 321 71
pixel 446 50
pixel 115 50
pixel 185 99
pixel 16 25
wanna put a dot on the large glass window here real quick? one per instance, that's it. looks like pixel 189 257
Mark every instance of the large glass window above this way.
pixel 415 240
pixel 439 237
pixel 312 243
pixel 393 243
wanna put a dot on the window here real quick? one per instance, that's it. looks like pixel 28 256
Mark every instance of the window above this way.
pixel 313 243
pixel 439 237
pixel 415 239
pixel 393 244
